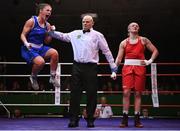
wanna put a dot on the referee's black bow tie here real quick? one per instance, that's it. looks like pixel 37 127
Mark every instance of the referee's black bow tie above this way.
pixel 84 31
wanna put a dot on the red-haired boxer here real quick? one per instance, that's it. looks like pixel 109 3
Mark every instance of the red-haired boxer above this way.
pixel 134 70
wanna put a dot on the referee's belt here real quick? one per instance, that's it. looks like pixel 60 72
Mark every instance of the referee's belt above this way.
pixel 84 63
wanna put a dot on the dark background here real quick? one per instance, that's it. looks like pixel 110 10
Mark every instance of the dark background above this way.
pixel 159 21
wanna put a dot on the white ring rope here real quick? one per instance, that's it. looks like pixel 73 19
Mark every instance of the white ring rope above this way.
pixel 65 92
pixel 99 92
pixel 24 63
pixel 40 104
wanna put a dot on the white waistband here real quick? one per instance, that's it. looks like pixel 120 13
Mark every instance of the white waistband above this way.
pixel 133 62
pixel 36 46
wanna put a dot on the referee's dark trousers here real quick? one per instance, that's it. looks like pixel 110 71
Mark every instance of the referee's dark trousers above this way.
pixel 84 77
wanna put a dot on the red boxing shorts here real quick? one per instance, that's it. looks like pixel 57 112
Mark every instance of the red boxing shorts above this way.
pixel 133 77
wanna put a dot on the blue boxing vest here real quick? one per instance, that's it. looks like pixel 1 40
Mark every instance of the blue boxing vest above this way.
pixel 37 33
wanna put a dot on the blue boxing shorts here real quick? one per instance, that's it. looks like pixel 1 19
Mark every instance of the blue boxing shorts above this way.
pixel 30 54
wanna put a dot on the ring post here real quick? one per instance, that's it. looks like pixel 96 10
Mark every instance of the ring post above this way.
pixel 57 89
pixel 154 95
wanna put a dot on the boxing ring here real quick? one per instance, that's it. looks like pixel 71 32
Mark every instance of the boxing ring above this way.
pixel 30 122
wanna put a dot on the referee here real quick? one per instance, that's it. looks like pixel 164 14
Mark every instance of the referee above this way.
pixel 86 44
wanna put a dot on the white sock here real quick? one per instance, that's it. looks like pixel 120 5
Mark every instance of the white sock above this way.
pixel 137 112
pixel 125 112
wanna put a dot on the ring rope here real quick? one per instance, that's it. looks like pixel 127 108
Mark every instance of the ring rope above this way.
pixel 64 75
pixel 113 105
pixel 24 63
pixel 99 92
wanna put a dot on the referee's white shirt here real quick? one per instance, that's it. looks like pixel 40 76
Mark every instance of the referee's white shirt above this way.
pixel 86 46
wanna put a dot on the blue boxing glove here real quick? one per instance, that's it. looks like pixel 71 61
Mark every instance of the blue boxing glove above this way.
pixel 115 69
